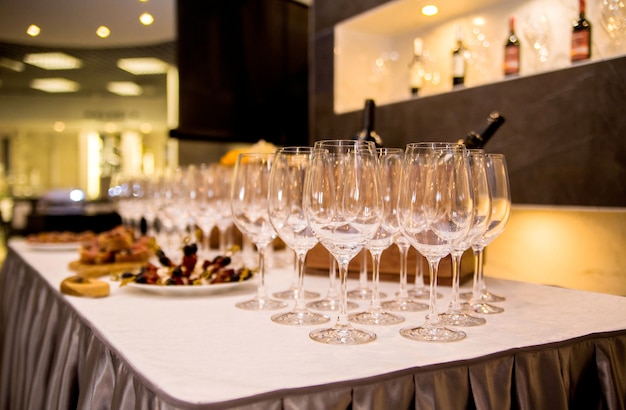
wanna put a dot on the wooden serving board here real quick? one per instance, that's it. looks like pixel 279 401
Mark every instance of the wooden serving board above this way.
pixel 96 270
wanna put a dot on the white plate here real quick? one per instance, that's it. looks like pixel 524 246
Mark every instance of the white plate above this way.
pixel 51 246
pixel 191 290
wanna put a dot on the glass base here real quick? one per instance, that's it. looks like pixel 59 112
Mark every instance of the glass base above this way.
pixel 290 294
pixel 330 305
pixel 375 318
pixel 261 304
pixel 486 297
pixel 432 334
pixel 404 305
pixel 461 319
pixel 423 293
pixel 342 335
pixel 482 308
pixel 295 318
pixel 364 294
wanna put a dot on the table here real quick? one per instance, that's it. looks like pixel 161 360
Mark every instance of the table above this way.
pixel 552 348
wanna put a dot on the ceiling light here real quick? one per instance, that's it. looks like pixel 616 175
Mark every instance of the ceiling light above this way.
pixel 53 61
pixel 59 126
pixel 143 66
pixel 54 85
pixel 103 32
pixel 33 30
pixel 146 19
pixel 125 88
pixel 11 64
pixel 430 10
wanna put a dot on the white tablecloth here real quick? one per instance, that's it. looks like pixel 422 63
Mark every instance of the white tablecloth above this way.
pixel 203 350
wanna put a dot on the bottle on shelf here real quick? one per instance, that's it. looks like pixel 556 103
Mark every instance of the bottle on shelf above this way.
pixel 459 60
pixel 476 140
pixel 367 133
pixel 581 36
pixel 416 68
pixel 512 51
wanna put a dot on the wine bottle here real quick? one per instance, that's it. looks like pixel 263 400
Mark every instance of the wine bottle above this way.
pixel 416 68
pixel 581 36
pixel 459 60
pixel 511 51
pixel 367 133
pixel 478 139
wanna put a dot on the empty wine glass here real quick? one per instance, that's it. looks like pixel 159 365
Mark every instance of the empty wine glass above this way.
pixel 456 315
pixel 286 214
pixel 224 214
pixel 498 183
pixel 202 201
pixel 344 208
pixel 389 169
pixel 435 210
pixel 249 201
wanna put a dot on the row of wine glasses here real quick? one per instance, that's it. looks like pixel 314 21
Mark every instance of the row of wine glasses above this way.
pixel 349 196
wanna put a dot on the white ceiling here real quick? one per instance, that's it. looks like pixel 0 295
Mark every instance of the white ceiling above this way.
pixel 73 23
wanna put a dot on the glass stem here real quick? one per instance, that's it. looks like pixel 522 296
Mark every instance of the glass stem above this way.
pixel 296 275
pixel 404 255
pixel 478 273
pixel 222 240
pixel 455 304
pixel 419 275
pixel 342 319
pixel 432 318
pixel 332 274
pixel 375 303
pixel 299 285
pixel 363 272
pixel 261 284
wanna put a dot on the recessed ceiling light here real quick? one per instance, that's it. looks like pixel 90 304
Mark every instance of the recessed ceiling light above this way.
pixel 430 10
pixel 33 30
pixel 143 66
pixel 103 32
pixel 53 61
pixel 59 126
pixel 146 19
pixel 125 88
pixel 54 85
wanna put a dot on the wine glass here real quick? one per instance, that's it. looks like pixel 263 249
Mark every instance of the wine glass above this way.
pixel 344 207
pixel 435 210
pixel 174 212
pixel 202 201
pixel 249 202
pixel 286 214
pixel 224 214
pixel 403 302
pixel 390 169
pixel 456 315
pixel 498 183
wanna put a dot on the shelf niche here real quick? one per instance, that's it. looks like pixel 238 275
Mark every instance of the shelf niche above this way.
pixel 372 50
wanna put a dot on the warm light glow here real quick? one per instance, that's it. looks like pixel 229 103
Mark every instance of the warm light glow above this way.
pixel 11 64
pixel 146 19
pixel 143 66
pixel 110 127
pixel 33 30
pixel 103 32
pixel 94 146
pixel 59 126
pixel 145 128
pixel 54 85
pixel 53 61
pixel 478 21
pixel 430 10
pixel 125 88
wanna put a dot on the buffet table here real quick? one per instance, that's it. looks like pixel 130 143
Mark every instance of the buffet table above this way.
pixel 551 348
